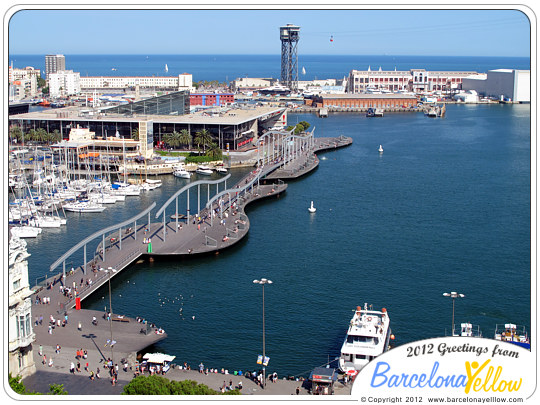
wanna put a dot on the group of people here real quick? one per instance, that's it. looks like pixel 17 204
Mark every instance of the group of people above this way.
pixel 224 387
pixel 43 301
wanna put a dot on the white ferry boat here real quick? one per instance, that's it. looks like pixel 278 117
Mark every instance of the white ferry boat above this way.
pixel 368 337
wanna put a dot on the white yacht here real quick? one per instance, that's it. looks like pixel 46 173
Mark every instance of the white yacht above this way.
pixel 180 171
pixel 84 206
pixel 221 169
pixel 204 170
pixel 368 337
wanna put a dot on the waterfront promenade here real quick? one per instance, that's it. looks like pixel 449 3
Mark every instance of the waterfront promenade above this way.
pixel 55 298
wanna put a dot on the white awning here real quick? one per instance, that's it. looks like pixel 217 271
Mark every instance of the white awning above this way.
pixel 158 358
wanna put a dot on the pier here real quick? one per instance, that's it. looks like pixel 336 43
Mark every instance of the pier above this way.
pixel 215 224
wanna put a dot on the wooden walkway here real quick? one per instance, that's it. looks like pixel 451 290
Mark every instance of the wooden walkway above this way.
pixel 208 232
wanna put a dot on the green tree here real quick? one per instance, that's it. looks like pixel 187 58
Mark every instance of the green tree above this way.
pixel 305 124
pixel 147 385
pixel 57 389
pixel 41 83
pixel 135 134
pixel 158 385
pixel 185 138
pixel 17 386
pixel 215 152
pixel 15 132
pixel 204 138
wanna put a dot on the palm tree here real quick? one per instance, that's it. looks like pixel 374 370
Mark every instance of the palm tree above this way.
pixel 204 138
pixel 185 137
pixel 15 133
pixel 172 139
pixel 215 152
pixel 135 134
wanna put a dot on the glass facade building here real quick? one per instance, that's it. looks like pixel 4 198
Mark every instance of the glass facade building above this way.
pixel 176 103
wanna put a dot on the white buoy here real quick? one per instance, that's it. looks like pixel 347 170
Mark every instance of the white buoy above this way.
pixel 312 209
pixel 380 149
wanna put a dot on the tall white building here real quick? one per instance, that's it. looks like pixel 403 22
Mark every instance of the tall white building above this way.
pixel 54 63
pixel 20 332
pixel 64 83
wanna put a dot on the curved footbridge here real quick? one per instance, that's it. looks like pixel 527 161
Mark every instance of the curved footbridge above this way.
pixel 218 224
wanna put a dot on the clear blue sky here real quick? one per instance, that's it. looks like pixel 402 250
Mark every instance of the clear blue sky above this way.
pixel 355 32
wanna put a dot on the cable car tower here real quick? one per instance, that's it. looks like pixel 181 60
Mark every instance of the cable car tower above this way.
pixel 289 35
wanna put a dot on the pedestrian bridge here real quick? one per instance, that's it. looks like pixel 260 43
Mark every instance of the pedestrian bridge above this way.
pixel 217 223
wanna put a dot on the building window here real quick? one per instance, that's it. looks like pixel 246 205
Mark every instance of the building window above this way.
pixel 16 284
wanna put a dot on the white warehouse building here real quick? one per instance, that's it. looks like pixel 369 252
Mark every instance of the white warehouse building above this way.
pixel 510 84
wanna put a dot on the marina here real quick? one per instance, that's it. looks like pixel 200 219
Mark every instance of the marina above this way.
pixel 168 285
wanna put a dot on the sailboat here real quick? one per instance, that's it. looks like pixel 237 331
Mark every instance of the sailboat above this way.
pixel 303 70
pixel 166 68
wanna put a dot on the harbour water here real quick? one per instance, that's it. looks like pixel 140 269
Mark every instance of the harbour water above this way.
pixel 445 208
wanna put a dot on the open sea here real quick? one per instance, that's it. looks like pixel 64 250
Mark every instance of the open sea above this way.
pixel 226 68
pixel 446 207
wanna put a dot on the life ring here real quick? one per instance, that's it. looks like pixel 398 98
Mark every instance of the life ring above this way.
pixel 369 318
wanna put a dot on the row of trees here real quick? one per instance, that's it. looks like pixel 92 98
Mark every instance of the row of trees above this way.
pixel 203 140
pixel 39 135
pixel 302 126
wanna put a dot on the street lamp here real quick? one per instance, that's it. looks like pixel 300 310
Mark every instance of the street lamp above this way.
pixel 454 295
pixel 108 271
pixel 262 282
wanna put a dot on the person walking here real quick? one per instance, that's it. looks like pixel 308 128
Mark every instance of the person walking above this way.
pixel 72 368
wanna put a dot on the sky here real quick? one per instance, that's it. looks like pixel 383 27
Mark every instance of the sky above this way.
pixel 445 32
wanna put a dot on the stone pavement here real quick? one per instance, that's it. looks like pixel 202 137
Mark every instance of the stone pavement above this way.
pixel 79 383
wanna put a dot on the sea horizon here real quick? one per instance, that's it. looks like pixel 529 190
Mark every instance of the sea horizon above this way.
pixel 227 67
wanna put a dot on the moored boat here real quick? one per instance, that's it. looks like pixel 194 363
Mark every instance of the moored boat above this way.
pixel 204 170
pixel 368 336
pixel 469 330
pixel 180 171
pixel 84 206
pixel 515 334
pixel 25 231
pixel 221 169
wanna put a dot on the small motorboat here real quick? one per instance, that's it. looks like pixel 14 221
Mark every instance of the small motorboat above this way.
pixel 181 172
pixel 312 209
pixel 381 149
pixel 221 169
pixel 204 170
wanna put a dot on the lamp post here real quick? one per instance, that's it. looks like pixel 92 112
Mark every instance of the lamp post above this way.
pixel 108 271
pixel 453 295
pixel 262 282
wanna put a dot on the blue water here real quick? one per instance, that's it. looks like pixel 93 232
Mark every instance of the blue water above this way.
pixel 226 68
pixel 445 208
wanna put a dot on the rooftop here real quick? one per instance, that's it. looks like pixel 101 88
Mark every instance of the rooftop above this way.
pixel 232 116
